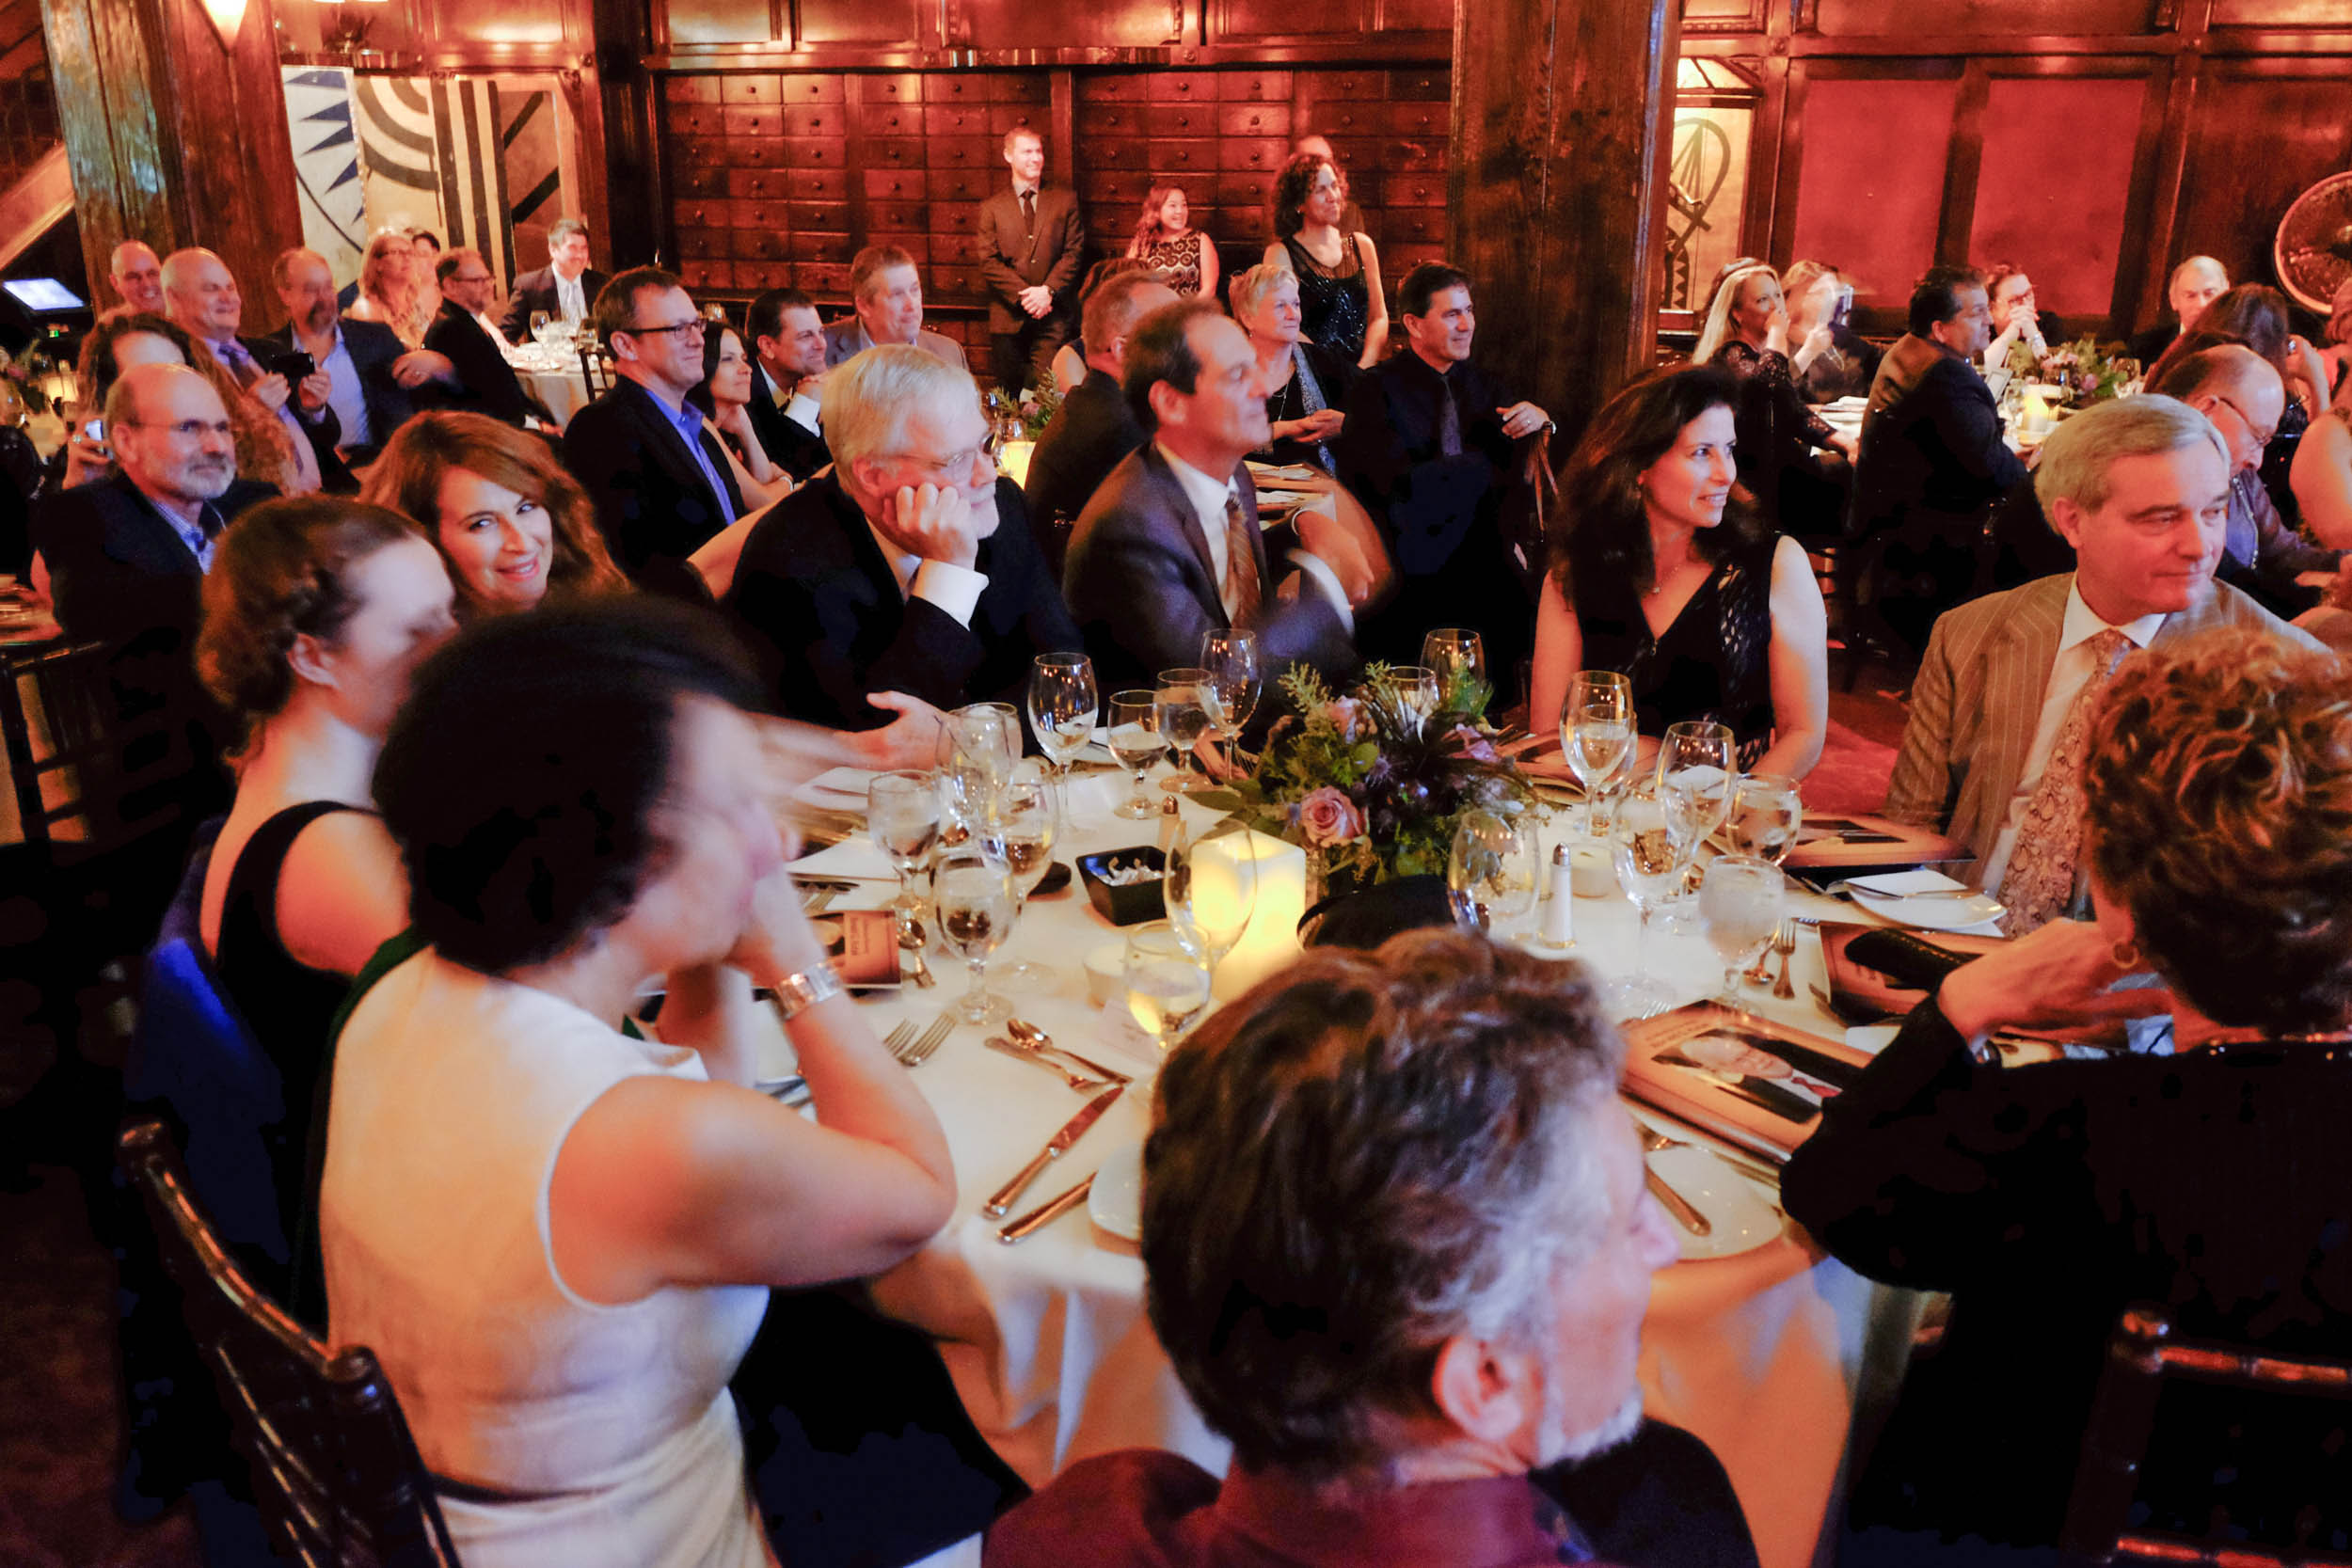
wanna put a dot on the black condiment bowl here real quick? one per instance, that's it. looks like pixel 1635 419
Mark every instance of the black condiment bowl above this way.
pixel 1129 903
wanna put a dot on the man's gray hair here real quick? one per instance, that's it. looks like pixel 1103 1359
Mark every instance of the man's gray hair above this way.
pixel 564 229
pixel 2075 458
pixel 868 397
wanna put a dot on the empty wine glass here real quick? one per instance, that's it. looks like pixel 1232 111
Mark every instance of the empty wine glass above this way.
pixel 1695 774
pixel 1740 904
pixel 1766 814
pixel 1023 833
pixel 1491 873
pixel 1416 689
pixel 1135 744
pixel 1210 890
pixel 978 748
pixel 1166 982
pixel 1650 868
pixel 1597 737
pixel 1062 702
pixel 1229 695
pixel 1182 721
pixel 1458 657
pixel 973 890
pixel 902 815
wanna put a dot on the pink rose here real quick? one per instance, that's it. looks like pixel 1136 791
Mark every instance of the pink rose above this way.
pixel 1345 714
pixel 1328 816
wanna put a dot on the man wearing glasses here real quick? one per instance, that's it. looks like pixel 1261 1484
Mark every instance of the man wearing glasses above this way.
pixel 479 378
pixel 646 457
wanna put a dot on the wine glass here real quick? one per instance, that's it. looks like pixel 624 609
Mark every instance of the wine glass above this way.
pixel 1650 868
pixel 902 815
pixel 1597 737
pixel 1695 774
pixel 1458 657
pixel 1740 904
pixel 1062 700
pixel 974 890
pixel 1416 690
pixel 1210 890
pixel 978 748
pixel 1183 722
pixel 1024 834
pixel 1229 695
pixel 1135 744
pixel 1766 814
pixel 1168 985
pixel 539 320
pixel 1491 875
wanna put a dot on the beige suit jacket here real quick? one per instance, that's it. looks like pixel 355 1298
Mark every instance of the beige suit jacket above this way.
pixel 1977 700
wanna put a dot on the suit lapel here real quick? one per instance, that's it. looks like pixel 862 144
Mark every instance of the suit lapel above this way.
pixel 138 534
pixel 1177 500
pixel 2016 675
pixel 666 438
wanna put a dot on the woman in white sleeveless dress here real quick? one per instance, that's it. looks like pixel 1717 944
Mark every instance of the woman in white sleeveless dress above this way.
pixel 557 1237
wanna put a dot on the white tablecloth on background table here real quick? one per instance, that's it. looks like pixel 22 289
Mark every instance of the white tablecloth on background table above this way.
pixel 1765 1355
pixel 564 391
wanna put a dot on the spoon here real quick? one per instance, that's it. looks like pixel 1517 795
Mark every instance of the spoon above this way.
pixel 1036 1038
pixel 912 939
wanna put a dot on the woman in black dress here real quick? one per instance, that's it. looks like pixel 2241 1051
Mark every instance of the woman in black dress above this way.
pixel 1659 574
pixel 1339 272
pixel 1305 384
pixel 1746 330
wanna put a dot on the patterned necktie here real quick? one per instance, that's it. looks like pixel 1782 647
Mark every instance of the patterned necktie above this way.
pixel 2040 882
pixel 1448 420
pixel 1241 564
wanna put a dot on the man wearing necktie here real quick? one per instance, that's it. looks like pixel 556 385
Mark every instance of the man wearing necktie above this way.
pixel 1031 243
pixel 201 294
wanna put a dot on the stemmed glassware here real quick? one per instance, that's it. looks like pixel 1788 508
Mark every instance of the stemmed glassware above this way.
pixel 1740 904
pixel 1062 701
pixel 1766 814
pixel 902 815
pixel 1135 744
pixel 974 890
pixel 1168 984
pixel 1458 658
pixel 1491 875
pixel 1694 776
pixel 1210 890
pixel 1024 834
pixel 1416 689
pixel 979 745
pixel 1597 737
pixel 1229 656
pixel 1182 721
pixel 1650 868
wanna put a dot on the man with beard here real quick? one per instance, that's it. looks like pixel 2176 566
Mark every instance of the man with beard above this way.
pixel 369 377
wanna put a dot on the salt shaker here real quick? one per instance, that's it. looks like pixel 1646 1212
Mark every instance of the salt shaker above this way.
pixel 1558 927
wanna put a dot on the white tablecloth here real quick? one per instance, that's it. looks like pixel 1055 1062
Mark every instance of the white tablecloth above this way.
pixel 564 391
pixel 1765 1355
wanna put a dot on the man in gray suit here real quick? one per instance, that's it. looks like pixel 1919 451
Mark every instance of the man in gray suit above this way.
pixel 2141 488
pixel 1031 242
pixel 887 294
pixel 1169 545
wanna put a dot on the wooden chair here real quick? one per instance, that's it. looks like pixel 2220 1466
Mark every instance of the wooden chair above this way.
pixel 335 1470
pixel 78 764
pixel 596 370
pixel 2142 1356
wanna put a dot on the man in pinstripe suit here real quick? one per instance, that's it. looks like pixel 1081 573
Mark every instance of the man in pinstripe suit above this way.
pixel 2140 487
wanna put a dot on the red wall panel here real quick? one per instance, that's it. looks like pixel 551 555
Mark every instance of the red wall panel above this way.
pixel 1872 180
pixel 2053 183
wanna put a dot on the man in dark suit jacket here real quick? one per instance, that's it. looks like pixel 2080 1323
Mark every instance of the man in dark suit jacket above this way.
pixel 2194 284
pixel 907 571
pixel 370 374
pixel 565 288
pixel 886 300
pixel 788 379
pixel 1094 427
pixel 200 294
pixel 480 379
pixel 1169 547
pixel 657 476
pixel 1932 463
pixel 1031 243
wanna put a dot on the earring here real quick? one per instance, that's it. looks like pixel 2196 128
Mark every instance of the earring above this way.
pixel 2125 954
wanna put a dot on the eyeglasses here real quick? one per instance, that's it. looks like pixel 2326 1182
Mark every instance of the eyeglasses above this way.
pixel 690 329
pixel 951 468
pixel 188 430
pixel 2262 437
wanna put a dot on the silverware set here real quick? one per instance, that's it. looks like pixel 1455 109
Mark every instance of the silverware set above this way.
pixel 1032 1044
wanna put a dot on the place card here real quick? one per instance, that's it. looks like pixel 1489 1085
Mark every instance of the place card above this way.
pixel 862 945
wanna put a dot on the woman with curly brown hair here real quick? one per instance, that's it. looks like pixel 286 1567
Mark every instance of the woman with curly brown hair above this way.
pixel 1659 574
pixel 1339 271
pixel 2217 827
pixel 510 521
pixel 264 450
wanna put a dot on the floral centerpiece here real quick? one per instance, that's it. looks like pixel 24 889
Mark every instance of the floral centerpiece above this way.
pixel 1368 784
pixel 1032 411
pixel 2083 372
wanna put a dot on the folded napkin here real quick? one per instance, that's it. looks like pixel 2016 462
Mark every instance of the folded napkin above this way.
pixel 1902 885
pixel 854 859
pixel 837 788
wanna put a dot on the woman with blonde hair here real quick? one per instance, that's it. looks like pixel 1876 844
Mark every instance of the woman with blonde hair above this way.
pixel 388 288
pixel 1747 334
pixel 1167 241
pixel 1305 384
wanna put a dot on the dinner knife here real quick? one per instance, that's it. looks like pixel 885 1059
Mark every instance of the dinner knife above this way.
pixel 1686 1213
pixel 1088 1113
pixel 1047 1212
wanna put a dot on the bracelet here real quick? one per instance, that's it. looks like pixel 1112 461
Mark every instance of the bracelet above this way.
pixel 797 993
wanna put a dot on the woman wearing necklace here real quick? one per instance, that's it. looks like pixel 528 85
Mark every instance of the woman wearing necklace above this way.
pixel 1747 334
pixel 1339 273
pixel 1659 574
pixel 1305 384
pixel 2217 782
pixel 1167 243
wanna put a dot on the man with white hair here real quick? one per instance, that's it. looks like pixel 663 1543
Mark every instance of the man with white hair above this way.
pixel 906 575
pixel 201 294
pixel 2194 284
pixel 1397 1244
pixel 1993 750
pixel 886 290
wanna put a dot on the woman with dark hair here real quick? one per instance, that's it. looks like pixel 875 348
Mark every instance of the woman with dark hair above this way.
pixel 1746 332
pixel 2216 829
pixel 724 396
pixel 1167 243
pixel 1339 273
pixel 512 524
pixel 559 1235
pixel 425 254
pixel 1657 573
pixel 315 612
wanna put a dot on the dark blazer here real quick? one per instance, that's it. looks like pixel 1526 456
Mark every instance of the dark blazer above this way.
pixel 652 501
pixel 1082 443
pixel 1139 583
pixel 2149 346
pixel 789 444
pixel 535 290
pixel 846 338
pixel 118 571
pixel 820 608
pixel 372 347
pixel 2046 1199
pixel 486 382
pixel 1931 457
pixel 1013 260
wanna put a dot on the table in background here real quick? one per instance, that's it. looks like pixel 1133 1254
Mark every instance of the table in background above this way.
pixel 564 388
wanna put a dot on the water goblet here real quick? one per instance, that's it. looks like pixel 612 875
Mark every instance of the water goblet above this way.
pixel 1416 691
pixel 1166 982
pixel 1694 775
pixel 1135 744
pixel 1740 904
pixel 1458 657
pixel 902 815
pixel 1062 702
pixel 1491 873
pixel 1024 834
pixel 1229 695
pixel 973 890
pixel 1210 890
pixel 1597 737
pixel 1182 721
pixel 978 748
pixel 1766 814
pixel 1649 867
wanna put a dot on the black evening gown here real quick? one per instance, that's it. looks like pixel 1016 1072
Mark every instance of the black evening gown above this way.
pixel 1713 663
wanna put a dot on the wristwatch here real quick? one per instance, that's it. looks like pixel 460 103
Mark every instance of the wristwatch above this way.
pixel 797 993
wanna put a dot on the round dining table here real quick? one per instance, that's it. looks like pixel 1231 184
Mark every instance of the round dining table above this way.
pixel 1773 1355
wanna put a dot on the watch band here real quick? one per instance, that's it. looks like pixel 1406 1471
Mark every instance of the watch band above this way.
pixel 797 993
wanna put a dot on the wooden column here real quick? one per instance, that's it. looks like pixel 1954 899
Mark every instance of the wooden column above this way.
pixel 1562 115
pixel 173 137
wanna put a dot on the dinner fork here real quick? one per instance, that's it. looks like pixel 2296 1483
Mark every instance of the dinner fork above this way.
pixel 917 1050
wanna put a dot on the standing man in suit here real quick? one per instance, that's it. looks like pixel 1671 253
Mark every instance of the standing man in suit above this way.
pixel 200 294
pixel 788 378
pixel 370 377
pixel 137 276
pixel 565 288
pixel 646 457
pixel 1169 547
pixel 886 292
pixel 479 377
pixel 905 582
pixel 2194 284
pixel 1031 244
pixel 1094 427
pixel 1992 754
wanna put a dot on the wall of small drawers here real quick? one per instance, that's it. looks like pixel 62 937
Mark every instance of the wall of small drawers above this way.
pixel 779 180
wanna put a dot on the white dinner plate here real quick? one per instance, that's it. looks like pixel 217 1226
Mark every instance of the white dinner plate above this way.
pixel 1892 896
pixel 1738 1217
pixel 1116 1201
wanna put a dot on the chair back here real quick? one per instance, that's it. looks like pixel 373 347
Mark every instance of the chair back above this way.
pixel 81 768
pixel 596 370
pixel 2142 1356
pixel 335 1471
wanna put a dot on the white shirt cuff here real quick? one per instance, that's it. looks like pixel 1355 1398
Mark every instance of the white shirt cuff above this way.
pixel 1319 572
pixel 802 411
pixel 954 589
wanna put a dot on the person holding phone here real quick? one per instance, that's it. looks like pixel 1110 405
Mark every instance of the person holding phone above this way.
pixel 366 376
pixel 201 294
pixel 1832 359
